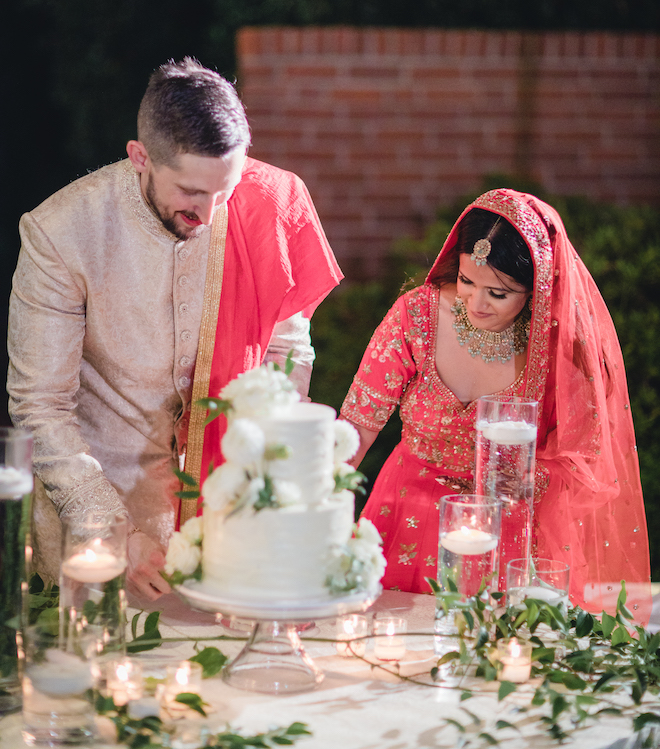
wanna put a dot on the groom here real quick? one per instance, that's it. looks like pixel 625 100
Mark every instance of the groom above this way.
pixel 143 287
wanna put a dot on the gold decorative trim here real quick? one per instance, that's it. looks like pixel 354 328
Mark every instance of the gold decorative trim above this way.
pixel 202 377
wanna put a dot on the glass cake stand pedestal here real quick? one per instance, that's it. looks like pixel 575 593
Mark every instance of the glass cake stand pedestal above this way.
pixel 274 660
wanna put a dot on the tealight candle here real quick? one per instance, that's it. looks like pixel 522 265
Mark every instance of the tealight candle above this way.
pixel 391 645
pixel 61 674
pixel 349 630
pixel 124 680
pixel 468 541
pixel 93 564
pixel 516 660
pixel 185 677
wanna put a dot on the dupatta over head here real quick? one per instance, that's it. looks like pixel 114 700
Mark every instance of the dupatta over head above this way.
pixel 589 509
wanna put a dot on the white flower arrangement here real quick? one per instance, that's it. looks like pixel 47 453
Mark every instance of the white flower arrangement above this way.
pixel 360 564
pixel 184 553
pixel 260 393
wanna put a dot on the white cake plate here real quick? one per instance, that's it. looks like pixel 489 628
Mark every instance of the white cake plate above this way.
pixel 274 660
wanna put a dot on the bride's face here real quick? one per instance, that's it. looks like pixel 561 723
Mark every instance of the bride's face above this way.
pixel 493 300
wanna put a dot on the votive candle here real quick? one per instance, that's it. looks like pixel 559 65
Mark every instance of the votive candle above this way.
pixel 349 629
pixel 124 680
pixel 184 677
pixel 390 641
pixel 516 659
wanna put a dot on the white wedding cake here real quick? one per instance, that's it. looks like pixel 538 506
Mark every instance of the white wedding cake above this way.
pixel 277 523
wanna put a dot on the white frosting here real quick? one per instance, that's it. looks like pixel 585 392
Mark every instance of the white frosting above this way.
pixel 308 431
pixel 283 554
pixel 274 555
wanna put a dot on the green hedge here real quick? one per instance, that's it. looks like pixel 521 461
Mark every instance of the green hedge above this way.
pixel 620 246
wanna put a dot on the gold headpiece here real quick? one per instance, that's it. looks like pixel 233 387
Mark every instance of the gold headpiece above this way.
pixel 481 251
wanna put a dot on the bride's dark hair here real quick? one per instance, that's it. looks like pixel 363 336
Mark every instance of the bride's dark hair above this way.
pixel 509 252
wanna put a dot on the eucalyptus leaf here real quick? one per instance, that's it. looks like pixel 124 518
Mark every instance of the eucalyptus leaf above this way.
pixel 506 687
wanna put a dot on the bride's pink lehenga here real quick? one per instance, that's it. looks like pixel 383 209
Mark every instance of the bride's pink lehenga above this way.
pixel 588 508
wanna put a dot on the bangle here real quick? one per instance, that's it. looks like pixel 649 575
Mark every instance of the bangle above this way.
pixel 133 530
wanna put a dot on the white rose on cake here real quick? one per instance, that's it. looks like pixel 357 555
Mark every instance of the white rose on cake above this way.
pixel 347 441
pixel 260 392
pixel 223 486
pixel 244 442
pixel 192 531
pixel 181 555
pixel 287 493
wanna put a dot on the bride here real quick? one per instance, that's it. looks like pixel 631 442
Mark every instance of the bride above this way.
pixel 508 308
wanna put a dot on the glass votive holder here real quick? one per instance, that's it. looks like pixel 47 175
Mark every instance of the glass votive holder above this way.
pixel 390 640
pixel 350 629
pixel 543 579
pixel 143 707
pixel 515 657
pixel 183 677
pixel 124 680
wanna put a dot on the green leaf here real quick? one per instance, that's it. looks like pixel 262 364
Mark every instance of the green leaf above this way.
pixel 489 739
pixel 289 364
pixel 433 584
pixel 559 704
pixel 644 719
pixel 482 638
pixel 623 596
pixel 607 676
pixel 543 655
pixel 193 701
pixel 188 494
pixel 620 635
pixel 584 624
pixel 456 724
pixel 298 729
pixel 572 681
pixel 134 624
pixel 451 656
pixel 212 661
pixel 506 687
pixel 608 622
pixel 505 724
pixel 184 477
pixel 151 622
pixel 465 695
pixel 471 716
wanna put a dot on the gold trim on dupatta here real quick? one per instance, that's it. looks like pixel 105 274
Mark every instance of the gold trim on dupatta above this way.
pixel 202 377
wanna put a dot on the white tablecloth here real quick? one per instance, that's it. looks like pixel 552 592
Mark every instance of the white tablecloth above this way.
pixel 356 707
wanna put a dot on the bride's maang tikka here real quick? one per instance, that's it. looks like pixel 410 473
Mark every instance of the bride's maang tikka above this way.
pixel 482 247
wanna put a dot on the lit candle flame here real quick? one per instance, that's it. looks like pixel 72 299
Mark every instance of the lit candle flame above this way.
pixel 90 556
pixel 514 648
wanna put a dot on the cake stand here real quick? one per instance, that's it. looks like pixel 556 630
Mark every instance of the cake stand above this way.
pixel 274 660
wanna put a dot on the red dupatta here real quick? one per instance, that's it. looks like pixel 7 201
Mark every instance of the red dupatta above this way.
pixel 269 259
pixel 590 510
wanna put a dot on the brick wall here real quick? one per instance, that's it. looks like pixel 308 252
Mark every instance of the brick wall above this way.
pixel 385 125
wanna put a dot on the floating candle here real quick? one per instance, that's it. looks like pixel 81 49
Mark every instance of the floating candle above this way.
pixel 468 541
pixel 93 566
pixel 553 596
pixel 61 674
pixel 508 432
pixel 124 680
pixel 516 659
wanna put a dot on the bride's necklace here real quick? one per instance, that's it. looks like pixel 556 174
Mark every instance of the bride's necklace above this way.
pixel 486 344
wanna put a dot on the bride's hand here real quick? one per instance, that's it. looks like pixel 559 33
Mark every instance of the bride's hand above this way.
pixel 145 559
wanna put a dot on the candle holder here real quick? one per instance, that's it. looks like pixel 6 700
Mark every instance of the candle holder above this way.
pixel 390 641
pixel 543 579
pixel 58 684
pixel 92 578
pixel 504 468
pixel 350 629
pixel 467 553
pixel 15 553
pixel 124 680
pixel 183 677
pixel 515 657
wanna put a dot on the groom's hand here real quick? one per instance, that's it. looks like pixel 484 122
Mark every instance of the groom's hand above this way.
pixel 145 559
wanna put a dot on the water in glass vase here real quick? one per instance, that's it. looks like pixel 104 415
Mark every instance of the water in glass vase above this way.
pixel 15 513
pixel 505 463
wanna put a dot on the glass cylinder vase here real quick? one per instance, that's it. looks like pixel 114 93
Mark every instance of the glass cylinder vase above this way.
pixel 15 554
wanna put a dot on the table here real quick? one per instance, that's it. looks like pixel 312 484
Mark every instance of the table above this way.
pixel 356 707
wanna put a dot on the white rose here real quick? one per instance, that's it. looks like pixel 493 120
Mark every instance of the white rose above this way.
pixel 343 469
pixel 251 493
pixel 260 392
pixel 192 530
pixel 181 555
pixel 223 485
pixel 244 442
pixel 345 495
pixel 367 531
pixel 287 493
pixel 347 441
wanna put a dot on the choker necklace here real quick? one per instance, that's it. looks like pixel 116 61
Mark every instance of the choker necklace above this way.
pixel 487 344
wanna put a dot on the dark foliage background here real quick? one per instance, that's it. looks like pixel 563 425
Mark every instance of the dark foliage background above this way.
pixel 73 75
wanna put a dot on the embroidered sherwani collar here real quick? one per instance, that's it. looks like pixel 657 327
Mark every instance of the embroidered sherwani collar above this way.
pixel 133 193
